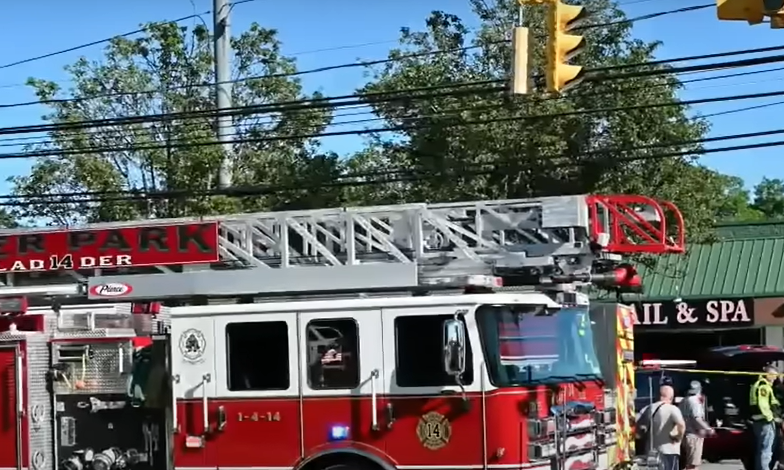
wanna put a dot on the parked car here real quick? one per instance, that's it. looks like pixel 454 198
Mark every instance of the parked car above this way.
pixel 726 395
pixel 727 399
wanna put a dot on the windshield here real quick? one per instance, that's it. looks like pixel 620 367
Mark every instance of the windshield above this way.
pixel 526 344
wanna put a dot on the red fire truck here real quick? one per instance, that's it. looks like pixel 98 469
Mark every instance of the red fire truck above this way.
pixel 327 338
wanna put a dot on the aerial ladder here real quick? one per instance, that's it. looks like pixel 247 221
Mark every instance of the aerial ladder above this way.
pixel 556 244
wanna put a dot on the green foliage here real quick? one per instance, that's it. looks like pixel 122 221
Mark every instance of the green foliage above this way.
pixel 521 149
pixel 769 199
pixel 169 154
pixel 577 153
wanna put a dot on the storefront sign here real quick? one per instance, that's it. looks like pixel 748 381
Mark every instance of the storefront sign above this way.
pixel 719 313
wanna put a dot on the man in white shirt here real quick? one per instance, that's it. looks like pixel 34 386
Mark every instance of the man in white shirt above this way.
pixel 693 411
pixel 664 428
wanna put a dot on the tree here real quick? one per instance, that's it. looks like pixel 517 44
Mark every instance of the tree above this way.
pixel 167 73
pixel 737 206
pixel 516 156
pixel 7 220
pixel 769 198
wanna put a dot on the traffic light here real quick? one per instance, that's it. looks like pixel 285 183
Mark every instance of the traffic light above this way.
pixel 740 10
pixel 752 11
pixel 775 10
pixel 562 46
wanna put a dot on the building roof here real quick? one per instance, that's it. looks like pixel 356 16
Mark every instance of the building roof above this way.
pixel 748 261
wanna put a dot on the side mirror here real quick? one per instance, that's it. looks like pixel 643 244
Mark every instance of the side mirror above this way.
pixel 454 347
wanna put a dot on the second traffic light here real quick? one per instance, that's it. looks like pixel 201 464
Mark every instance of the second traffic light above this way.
pixel 561 18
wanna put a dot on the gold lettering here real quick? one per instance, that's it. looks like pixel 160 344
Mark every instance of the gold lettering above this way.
pixel 256 416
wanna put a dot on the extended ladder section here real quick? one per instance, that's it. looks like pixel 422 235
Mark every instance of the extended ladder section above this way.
pixel 364 248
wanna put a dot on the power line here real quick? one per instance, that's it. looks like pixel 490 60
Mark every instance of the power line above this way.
pixel 649 16
pixel 674 60
pixel 249 78
pixel 370 63
pixel 741 110
pixel 359 100
pixel 100 41
pixel 691 68
pixel 397 128
pixel 403 175
pixel 313 103
pixel 331 103
pixel 37 139
pixel 105 40
pixel 457 89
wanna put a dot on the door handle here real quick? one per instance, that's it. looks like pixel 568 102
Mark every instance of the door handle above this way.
pixel 205 379
pixel 20 398
pixel 221 418
pixel 390 415
pixel 175 379
pixel 374 399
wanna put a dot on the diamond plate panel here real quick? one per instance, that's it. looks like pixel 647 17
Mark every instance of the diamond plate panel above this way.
pixel 39 405
pixel 105 369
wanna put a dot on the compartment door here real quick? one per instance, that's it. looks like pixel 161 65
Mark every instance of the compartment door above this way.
pixel 12 403
pixel 193 376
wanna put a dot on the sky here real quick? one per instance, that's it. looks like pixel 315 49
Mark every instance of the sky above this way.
pixel 319 33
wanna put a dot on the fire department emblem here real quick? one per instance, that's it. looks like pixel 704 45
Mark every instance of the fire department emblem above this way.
pixel 434 430
pixel 192 344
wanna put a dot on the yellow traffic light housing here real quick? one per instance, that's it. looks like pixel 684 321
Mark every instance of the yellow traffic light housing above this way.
pixel 740 10
pixel 521 61
pixel 561 47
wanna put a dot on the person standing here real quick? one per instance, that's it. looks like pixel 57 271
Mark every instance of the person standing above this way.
pixel 762 401
pixel 664 428
pixel 778 412
pixel 693 409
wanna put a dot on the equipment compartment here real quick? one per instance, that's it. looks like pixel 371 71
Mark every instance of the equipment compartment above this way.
pixel 105 432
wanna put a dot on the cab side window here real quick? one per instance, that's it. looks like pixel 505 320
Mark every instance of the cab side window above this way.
pixel 333 354
pixel 419 345
pixel 258 356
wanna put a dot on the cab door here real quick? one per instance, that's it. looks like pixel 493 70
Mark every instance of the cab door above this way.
pixel 342 378
pixel 193 375
pixel 257 407
pixel 431 422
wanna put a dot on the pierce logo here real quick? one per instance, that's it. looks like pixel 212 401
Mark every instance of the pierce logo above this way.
pixel 112 289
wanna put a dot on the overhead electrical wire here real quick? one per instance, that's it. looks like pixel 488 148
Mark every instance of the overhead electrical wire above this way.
pixel 121 35
pixel 402 175
pixel 331 102
pixel 707 67
pixel 358 99
pixel 98 42
pixel 650 16
pixel 369 63
pixel 14 141
pixel 375 130
pixel 334 103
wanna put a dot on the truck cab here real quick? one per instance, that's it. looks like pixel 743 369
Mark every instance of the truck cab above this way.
pixel 443 379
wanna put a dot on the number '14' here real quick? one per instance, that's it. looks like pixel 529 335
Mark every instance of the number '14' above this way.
pixel 60 262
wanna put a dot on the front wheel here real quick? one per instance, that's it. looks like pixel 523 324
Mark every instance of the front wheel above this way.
pixel 356 465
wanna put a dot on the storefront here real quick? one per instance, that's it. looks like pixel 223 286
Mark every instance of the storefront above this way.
pixel 727 293
pixel 677 329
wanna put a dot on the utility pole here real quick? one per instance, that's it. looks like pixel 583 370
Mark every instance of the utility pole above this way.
pixel 225 128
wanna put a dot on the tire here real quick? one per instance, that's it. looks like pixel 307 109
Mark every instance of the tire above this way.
pixel 355 465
